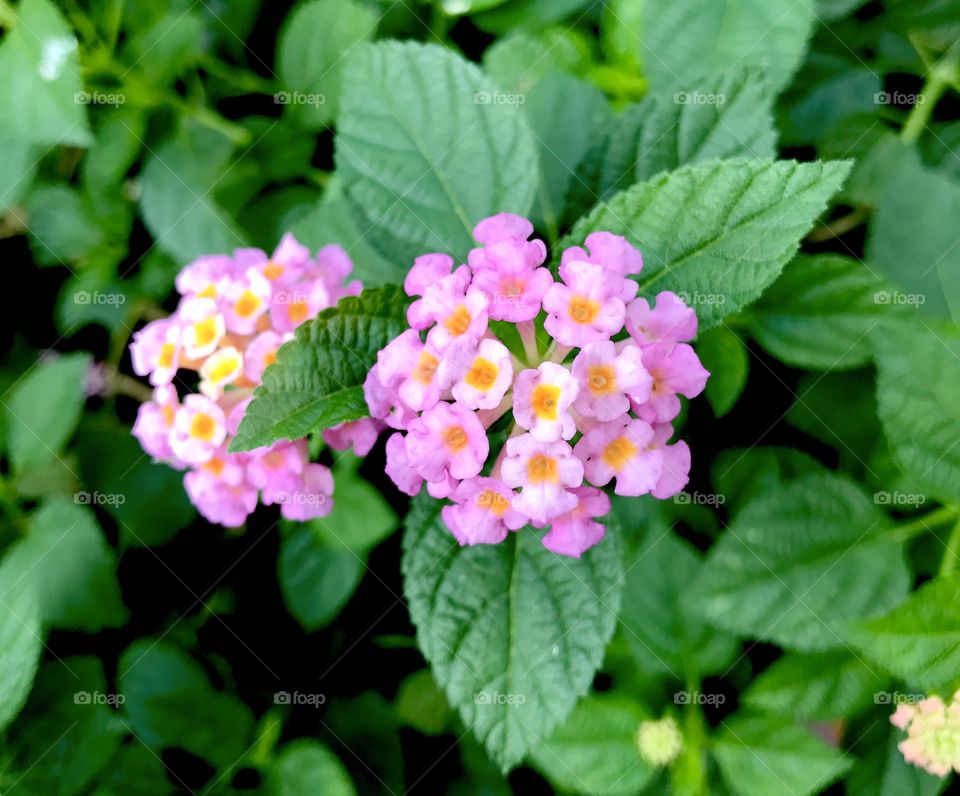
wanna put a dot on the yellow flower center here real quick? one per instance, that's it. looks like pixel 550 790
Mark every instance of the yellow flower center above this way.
pixel 455 438
pixel 165 358
pixel 214 466
pixel 583 310
pixel 247 304
pixel 493 502
pixel 545 401
pixel 205 332
pixel 425 368
pixel 542 469
pixel 483 374
pixel 273 270
pixel 299 310
pixel 458 321
pixel 210 291
pixel 601 379
pixel 202 427
pixel 618 453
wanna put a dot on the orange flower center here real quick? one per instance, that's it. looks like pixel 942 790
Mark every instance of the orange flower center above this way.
pixel 618 453
pixel 299 310
pixel 545 401
pixel 202 427
pixel 601 379
pixel 493 502
pixel 205 332
pixel 273 270
pixel 542 469
pixel 425 368
pixel 455 438
pixel 214 466
pixel 483 374
pixel 583 310
pixel 458 321
pixel 247 304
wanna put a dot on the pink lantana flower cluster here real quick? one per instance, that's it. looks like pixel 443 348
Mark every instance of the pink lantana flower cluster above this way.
pixel 233 315
pixel 933 734
pixel 595 406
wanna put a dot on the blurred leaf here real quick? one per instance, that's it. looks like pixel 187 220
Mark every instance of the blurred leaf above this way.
pixel 67 732
pixel 169 47
pixel 769 755
pixel 683 41
pixel 20 639
pixel 717 232
pixel 421 704
pixel 361 517
pixel 798 562
pixel 367 722
pixel 724 354
pixel 518 61
pixel 17 168
pixel 882 771
pixel 594 750
pixel 117 146
pixel 307 768
pixel 165 692
pixel 820 312
pixel 425 148
pixel 43 409
pixel 821 686
pixel 723 117
pixel 919 640
pixel 533 14
pixel 317 380
pixel 742 474
pixel 177 200
pixel 314 42
pixel 134 769
pixel 316 579
pixel 40 72
pixel 494 623
pixel 918 379
pixel 65 554
pixel 667 633
pixel 62 224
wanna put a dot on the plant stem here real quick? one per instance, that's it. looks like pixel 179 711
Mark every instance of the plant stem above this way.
pixel 528 334
pixel 927 522
pixel 951 556
pixel 942 75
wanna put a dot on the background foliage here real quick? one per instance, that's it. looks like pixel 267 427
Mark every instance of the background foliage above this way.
pixel 804 582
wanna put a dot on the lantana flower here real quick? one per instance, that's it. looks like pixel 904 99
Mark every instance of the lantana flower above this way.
pixel 234 313
pixel 591 407
pixel 933 734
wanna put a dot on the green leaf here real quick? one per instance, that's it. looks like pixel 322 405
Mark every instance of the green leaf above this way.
pixel 724 117
pixel 718 232
pixel 725 355
pixel 915 248
pixel 134 769
pixel 40 72
pixel 17 169
pixel 317 380
pixel 820 312
pixel 67 732
pixel 65 554
pixel 20 639
pixel 316 579
pixel 520 60
pixel 742 474
pixel 566 116
pixel 314 41
pixel 919 640
pixel 43 410
pixel 306 768
pixel 882 771
pixel 682 41
pixel 421 704
pixel 62 224
pixel 769 755
pixel 798 562
pixel 165 691
pixel 513 632
pixel 426 149
pixel 532 14
pixel 821 686
pixel 665 631
pixel 594 750
pixel 177 200
pixel 361 517
pixel 918 379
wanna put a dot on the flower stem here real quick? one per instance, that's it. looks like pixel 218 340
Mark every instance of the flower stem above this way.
pixel 951 556
pixel 942 75
pixel 926 522
pixel 528 334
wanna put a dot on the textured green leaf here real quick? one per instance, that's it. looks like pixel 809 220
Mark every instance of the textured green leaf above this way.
pixel 919 641
pixel 718 232
pixel 43 409
pixel 742 474
pixel 316 579
pixel 314 41
pixel 20 639
pixel 426 149
pixel 520 60
pixel 307 768
pixel 821 686
pixel 165 691
pixel 665 632
pixel 769 755
pixel 799 562
pixel 724 354
pixel 727 116
pixel 595 751
pixel 682 41
pixel 66 556
pixel 882 771
pixel 533 14
pixel 820 312
pixel 918 380
pixel 40 72
pixel 317 380
pixel 513 632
